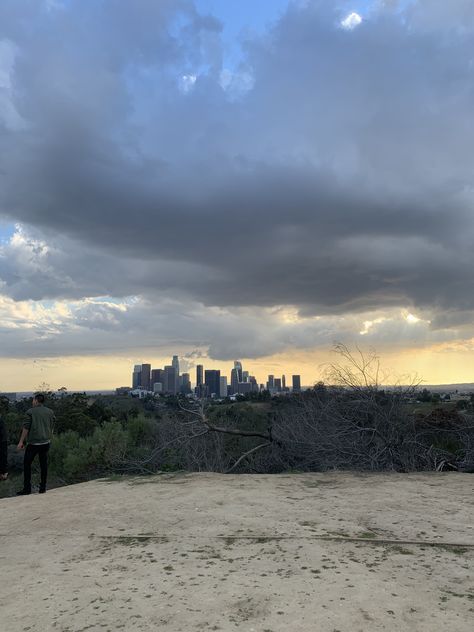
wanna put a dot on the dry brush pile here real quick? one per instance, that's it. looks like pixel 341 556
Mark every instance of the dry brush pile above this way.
pixel 353 425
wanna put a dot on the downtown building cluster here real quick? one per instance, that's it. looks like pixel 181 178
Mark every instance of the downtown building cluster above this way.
pixel 209 383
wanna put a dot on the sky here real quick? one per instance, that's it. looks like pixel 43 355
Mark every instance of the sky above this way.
pixel 230 180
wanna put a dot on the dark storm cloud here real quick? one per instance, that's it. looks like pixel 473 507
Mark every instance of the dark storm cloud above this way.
pixel 338 177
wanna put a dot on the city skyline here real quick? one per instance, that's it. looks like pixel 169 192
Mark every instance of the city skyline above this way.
pixel 208 382
pixel 223 179
pixel 107 373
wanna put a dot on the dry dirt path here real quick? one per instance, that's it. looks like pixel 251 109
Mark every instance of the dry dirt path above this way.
pixel 332 552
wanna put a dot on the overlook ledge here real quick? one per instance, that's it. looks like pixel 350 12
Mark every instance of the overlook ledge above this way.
pixel 333 552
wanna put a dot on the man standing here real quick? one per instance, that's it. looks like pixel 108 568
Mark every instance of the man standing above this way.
pixel 37 429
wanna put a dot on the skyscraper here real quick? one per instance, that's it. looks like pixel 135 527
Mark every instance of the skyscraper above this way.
pixel 283 383
pixel 277 383
pixel 199 375
pixel 234 381
pixel 223 386
pixel 157 375
pixel 235 377
pixel 185 386
pixel 137 376
pixel 253 382
pixel 146 370
pixel 296 383
pixel 175 364
pixel 213 386
pixel 271 383
pixel 238 367
pixel 170 382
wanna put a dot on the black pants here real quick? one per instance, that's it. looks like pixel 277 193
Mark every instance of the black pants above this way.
pixel 3 457
pixel 30 453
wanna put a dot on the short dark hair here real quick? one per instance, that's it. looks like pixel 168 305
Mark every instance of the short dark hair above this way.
pixel 39 398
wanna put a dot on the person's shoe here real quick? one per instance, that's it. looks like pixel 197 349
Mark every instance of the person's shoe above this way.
pixel 42 490
pixel 23 492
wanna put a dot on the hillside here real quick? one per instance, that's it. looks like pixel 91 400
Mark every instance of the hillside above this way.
pixel 342 552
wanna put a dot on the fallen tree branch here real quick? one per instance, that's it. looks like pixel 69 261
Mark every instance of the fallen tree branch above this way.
pixel 258 447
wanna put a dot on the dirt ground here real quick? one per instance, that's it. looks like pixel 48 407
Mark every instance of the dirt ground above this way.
pixel 332 552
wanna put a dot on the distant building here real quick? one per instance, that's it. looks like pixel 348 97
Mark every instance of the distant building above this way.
pixel 244 388
pixel 238 368
pixel 199 375
pixel 253 382
pixel 296 383
pixel 283 383
pixel 277 384
pixel 139 392
pixel 146 371
pixel 170 384
pixel 271 383
pixel 157 375
pixel 245 376
pixel 158 387
pixel 175 364
pixel 212 381
pixel 201 391
pixel 234 381
pixel 236 376
pixel 223 386
pixel 185 384
pixel 137 376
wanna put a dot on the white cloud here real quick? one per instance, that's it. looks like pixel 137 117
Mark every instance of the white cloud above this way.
pixel 351 21
pixel 187 82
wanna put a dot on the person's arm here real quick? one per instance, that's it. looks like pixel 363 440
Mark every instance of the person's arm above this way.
pixel 25 431
pixel 24 434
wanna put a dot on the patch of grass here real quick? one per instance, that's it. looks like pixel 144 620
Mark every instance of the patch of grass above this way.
pixel 396 548
pixel 456 550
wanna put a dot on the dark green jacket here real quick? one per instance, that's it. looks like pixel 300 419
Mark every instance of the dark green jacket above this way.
pixel 39 424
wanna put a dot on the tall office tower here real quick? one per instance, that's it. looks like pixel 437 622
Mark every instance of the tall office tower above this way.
pixel 212 380
pixel 175 364
pixel 283 383
pixel 245 376
pixel 157 375
pixel 253 382
pixel 234 381
pixel 238 367
pixel 199 375
pixel 296 383
pixel 146 370
pixel 185 384
pixel 271 383
pixel 223 386
pixel 170 381
pixel 137 376
pixel 277 383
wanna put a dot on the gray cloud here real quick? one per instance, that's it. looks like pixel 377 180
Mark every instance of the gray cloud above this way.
pixel 338 178
pixel 142 328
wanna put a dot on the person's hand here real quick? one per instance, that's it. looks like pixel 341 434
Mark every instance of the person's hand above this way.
pixel 21 446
